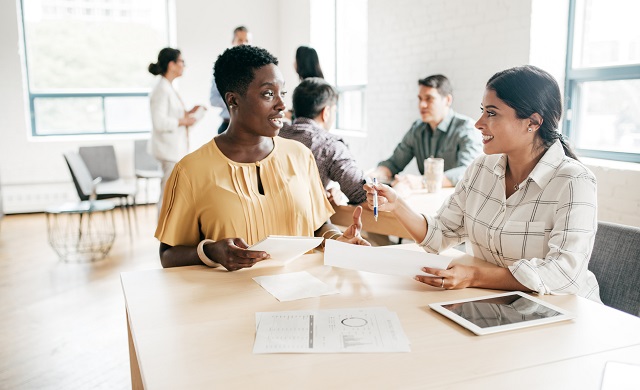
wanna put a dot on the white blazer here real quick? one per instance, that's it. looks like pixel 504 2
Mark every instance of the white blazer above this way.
pixel 169 142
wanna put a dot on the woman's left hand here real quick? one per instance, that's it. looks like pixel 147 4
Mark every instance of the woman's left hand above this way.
pixel 194 109
pixel 455 277
pixel 352 234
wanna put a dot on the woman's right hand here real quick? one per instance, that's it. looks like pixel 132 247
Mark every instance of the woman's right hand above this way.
pixel 232 254
pixel 186 121
pixel 387 197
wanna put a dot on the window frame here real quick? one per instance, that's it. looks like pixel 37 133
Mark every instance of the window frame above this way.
pixel 89 92
pixel 573 77
pixel 342 89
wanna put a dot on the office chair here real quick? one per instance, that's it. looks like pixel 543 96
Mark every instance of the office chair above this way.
pixel 146 167
pixel 86 185
pixel 615 261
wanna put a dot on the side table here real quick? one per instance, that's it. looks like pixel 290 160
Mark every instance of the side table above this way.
pixel 81 231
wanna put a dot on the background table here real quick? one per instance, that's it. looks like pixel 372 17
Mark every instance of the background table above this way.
pixel 194 327
pixel 80 231
pixel 420 201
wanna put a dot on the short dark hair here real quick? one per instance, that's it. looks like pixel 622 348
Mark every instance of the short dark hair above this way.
pixel 165 56
pixel 439 82
pixel 308 63
pixel 233 70
pixel 311 96
pixel 240 29
pixel 528 90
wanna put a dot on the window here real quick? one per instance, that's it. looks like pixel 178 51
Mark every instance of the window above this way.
pixel 86 63
pixel 339 34
pixel 602 94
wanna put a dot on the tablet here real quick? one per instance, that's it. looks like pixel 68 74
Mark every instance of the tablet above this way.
pixel 500 312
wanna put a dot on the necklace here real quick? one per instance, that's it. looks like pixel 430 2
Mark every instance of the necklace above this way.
pixel 516 187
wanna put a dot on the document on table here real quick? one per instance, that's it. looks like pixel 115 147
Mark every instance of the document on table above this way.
pixel 621 376
pixel 294 285
pixel 286 248
pixel 381 260
pixel 373 329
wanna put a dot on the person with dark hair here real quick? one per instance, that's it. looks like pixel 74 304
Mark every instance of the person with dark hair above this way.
pixel 440 132
pixel 315 104
pixel 307 63
pixel 246 183
pixel 528 205
pixel 241 36
pixel 170 121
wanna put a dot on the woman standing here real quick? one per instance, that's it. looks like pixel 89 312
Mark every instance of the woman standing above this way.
pixel 170 120
pixel 528 205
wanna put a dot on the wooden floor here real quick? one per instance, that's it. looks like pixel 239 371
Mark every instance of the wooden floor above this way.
pixel 63 325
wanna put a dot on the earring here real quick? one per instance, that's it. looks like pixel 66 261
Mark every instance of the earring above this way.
pixel 529 129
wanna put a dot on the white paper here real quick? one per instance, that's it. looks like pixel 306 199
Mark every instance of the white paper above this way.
pixel 321 331
pixel 294 285
pixel 286 248
pixel 621 376
pixel 199 113
pixel 381 260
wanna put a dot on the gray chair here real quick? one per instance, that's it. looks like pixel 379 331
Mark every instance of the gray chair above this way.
pixel 89 187
pixel 616 263
pixel 101 162
pixel 146 167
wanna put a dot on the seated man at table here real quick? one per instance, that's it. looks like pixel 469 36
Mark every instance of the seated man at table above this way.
pixel 440 132
pixel 315 103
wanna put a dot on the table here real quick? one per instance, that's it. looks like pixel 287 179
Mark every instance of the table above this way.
pixel 194 327
pixel 420 200
pixel 80 231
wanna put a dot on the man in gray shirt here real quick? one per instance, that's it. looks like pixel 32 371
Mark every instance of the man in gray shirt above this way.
pixel 315 104
pixel 241 36
pixel 440 132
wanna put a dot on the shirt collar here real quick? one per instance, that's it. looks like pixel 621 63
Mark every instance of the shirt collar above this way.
pixel 548 164
pixel 305 121
pixel 543 171
pixel 444 124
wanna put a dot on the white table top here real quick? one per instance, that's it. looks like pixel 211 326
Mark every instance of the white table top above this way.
pixel 194 327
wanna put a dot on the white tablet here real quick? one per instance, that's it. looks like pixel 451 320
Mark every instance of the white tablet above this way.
pixel 500 312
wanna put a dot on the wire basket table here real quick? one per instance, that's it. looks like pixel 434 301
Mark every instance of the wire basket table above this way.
pixel 81 231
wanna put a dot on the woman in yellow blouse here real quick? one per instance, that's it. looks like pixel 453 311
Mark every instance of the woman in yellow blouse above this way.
pixel 246 183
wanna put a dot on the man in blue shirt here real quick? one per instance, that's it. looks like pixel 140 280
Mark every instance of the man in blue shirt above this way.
pixel 241 36
pixel 440 132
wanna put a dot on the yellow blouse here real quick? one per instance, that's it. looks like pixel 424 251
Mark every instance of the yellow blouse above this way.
pixel 211 196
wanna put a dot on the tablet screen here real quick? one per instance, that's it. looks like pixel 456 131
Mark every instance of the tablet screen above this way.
pixel 500 312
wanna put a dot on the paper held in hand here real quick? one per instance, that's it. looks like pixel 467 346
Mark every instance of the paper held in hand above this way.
pixel 199 113
pixel 381 260
pixel 286 248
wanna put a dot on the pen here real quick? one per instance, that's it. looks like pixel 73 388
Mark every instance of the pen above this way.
pixel 375 200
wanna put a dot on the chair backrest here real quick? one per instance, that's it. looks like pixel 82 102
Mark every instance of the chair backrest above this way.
pixel 142 159
pixel 80 173
pixel 616 263
pixel 101 161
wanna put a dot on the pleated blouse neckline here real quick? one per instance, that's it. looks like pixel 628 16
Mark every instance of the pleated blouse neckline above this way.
pixel 268 158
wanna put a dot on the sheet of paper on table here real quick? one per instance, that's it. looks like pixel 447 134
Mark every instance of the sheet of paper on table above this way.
pixel 621 376
pixel 372 329
pixel 294 285
pixel 286 248
pixel 381 260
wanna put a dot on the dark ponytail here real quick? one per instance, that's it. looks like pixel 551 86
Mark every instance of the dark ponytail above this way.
pixel 165 56
pixel 529 90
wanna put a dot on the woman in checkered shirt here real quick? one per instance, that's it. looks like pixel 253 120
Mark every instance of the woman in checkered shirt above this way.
pixel 528 205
